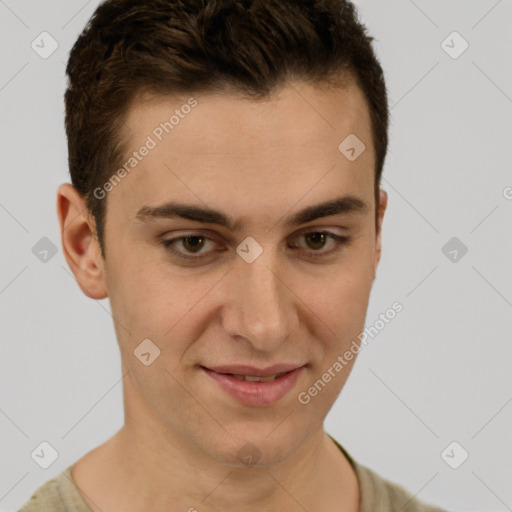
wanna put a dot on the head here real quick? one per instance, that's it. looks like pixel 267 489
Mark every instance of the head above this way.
pixel 226 124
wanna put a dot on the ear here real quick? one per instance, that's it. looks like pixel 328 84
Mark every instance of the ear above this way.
pixel 79 242
pixel 383 202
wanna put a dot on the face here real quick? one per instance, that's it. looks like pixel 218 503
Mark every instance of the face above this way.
pixel 245 276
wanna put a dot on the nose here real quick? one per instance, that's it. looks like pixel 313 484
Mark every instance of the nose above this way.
pixel 262 307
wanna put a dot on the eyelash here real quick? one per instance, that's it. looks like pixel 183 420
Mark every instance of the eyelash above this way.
pixel 339 239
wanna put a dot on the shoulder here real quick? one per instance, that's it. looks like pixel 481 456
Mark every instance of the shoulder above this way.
pixel 379 494
pixel 56 495
pixel 45 498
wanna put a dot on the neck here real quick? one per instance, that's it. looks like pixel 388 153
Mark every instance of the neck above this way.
pixel 169 475
pixel 147 466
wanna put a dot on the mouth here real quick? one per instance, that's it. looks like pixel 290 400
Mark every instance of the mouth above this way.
pixel 253 378
pixel 253 386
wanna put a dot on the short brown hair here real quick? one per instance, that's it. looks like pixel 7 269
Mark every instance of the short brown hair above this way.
pixel 194 46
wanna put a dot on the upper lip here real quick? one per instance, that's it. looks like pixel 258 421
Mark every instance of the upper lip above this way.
pixel 253 371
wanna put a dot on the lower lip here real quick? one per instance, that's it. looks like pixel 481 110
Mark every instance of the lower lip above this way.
pixel 256 393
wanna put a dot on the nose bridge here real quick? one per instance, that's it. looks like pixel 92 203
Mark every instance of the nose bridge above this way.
pixel 262 311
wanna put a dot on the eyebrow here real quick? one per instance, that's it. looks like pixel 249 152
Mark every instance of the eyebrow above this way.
pixel 173 209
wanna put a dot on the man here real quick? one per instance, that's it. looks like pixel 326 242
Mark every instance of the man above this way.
pixel 226 160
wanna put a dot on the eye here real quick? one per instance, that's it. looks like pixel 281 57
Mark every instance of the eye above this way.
pixel 317 240
pixel 192 244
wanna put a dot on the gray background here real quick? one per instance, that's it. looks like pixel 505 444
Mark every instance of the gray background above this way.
pixel 439 372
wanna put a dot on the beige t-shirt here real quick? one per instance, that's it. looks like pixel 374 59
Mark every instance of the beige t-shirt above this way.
pixel 60 494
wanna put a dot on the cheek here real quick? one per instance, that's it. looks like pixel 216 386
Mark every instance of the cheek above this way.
pixel 151 301
pixel 340 312
pixel 143 306
pixel 342 302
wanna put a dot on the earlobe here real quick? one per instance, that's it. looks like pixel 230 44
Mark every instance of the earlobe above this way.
pixel 383 201
pixel 79 242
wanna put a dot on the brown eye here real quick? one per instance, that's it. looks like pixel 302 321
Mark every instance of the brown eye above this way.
pixel 194 247
pixel 189 246
pixel 193 243
pixel 317 240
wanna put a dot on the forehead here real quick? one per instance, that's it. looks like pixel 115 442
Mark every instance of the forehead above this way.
pixel 296 114
pixel 205 146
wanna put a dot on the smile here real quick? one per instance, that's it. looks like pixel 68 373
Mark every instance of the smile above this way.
pixel 252 378
pixel 256 390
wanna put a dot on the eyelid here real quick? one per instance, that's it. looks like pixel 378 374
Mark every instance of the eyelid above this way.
pixel 339 242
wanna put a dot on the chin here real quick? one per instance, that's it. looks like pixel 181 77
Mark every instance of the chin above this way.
pixel 255 451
